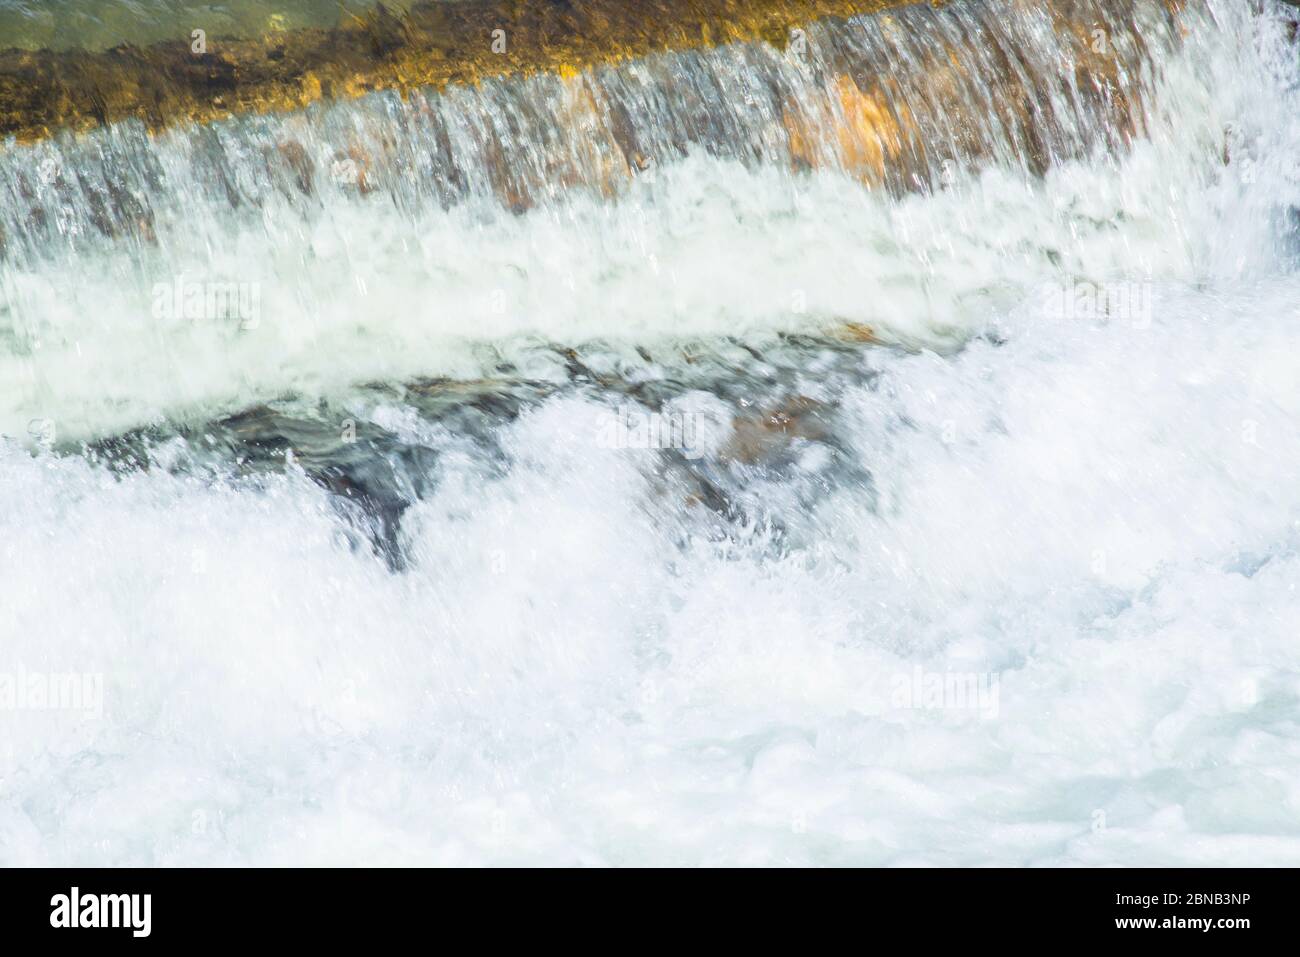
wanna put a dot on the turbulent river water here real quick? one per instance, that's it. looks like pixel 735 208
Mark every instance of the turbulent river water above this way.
pixel 651 466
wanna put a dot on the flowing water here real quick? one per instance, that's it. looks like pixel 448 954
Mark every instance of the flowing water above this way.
pixel 878 450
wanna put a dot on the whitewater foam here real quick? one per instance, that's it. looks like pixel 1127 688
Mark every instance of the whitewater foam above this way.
pixel 596 655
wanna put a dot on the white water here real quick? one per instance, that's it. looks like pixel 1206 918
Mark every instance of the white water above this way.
pixel 578 666
pixel 415 279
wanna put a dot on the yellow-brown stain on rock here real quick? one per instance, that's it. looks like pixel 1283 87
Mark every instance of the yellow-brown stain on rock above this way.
pixel 857 332
pixel 432 45
pixel 760 437
pixel 849 129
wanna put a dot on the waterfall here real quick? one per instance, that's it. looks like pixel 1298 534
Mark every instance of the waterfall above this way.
pixel 726 436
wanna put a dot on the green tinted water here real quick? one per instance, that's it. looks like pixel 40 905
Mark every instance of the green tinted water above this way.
pixel 100 24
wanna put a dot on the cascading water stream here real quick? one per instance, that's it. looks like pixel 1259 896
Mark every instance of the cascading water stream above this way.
pixel 265 207
pixel 537 469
